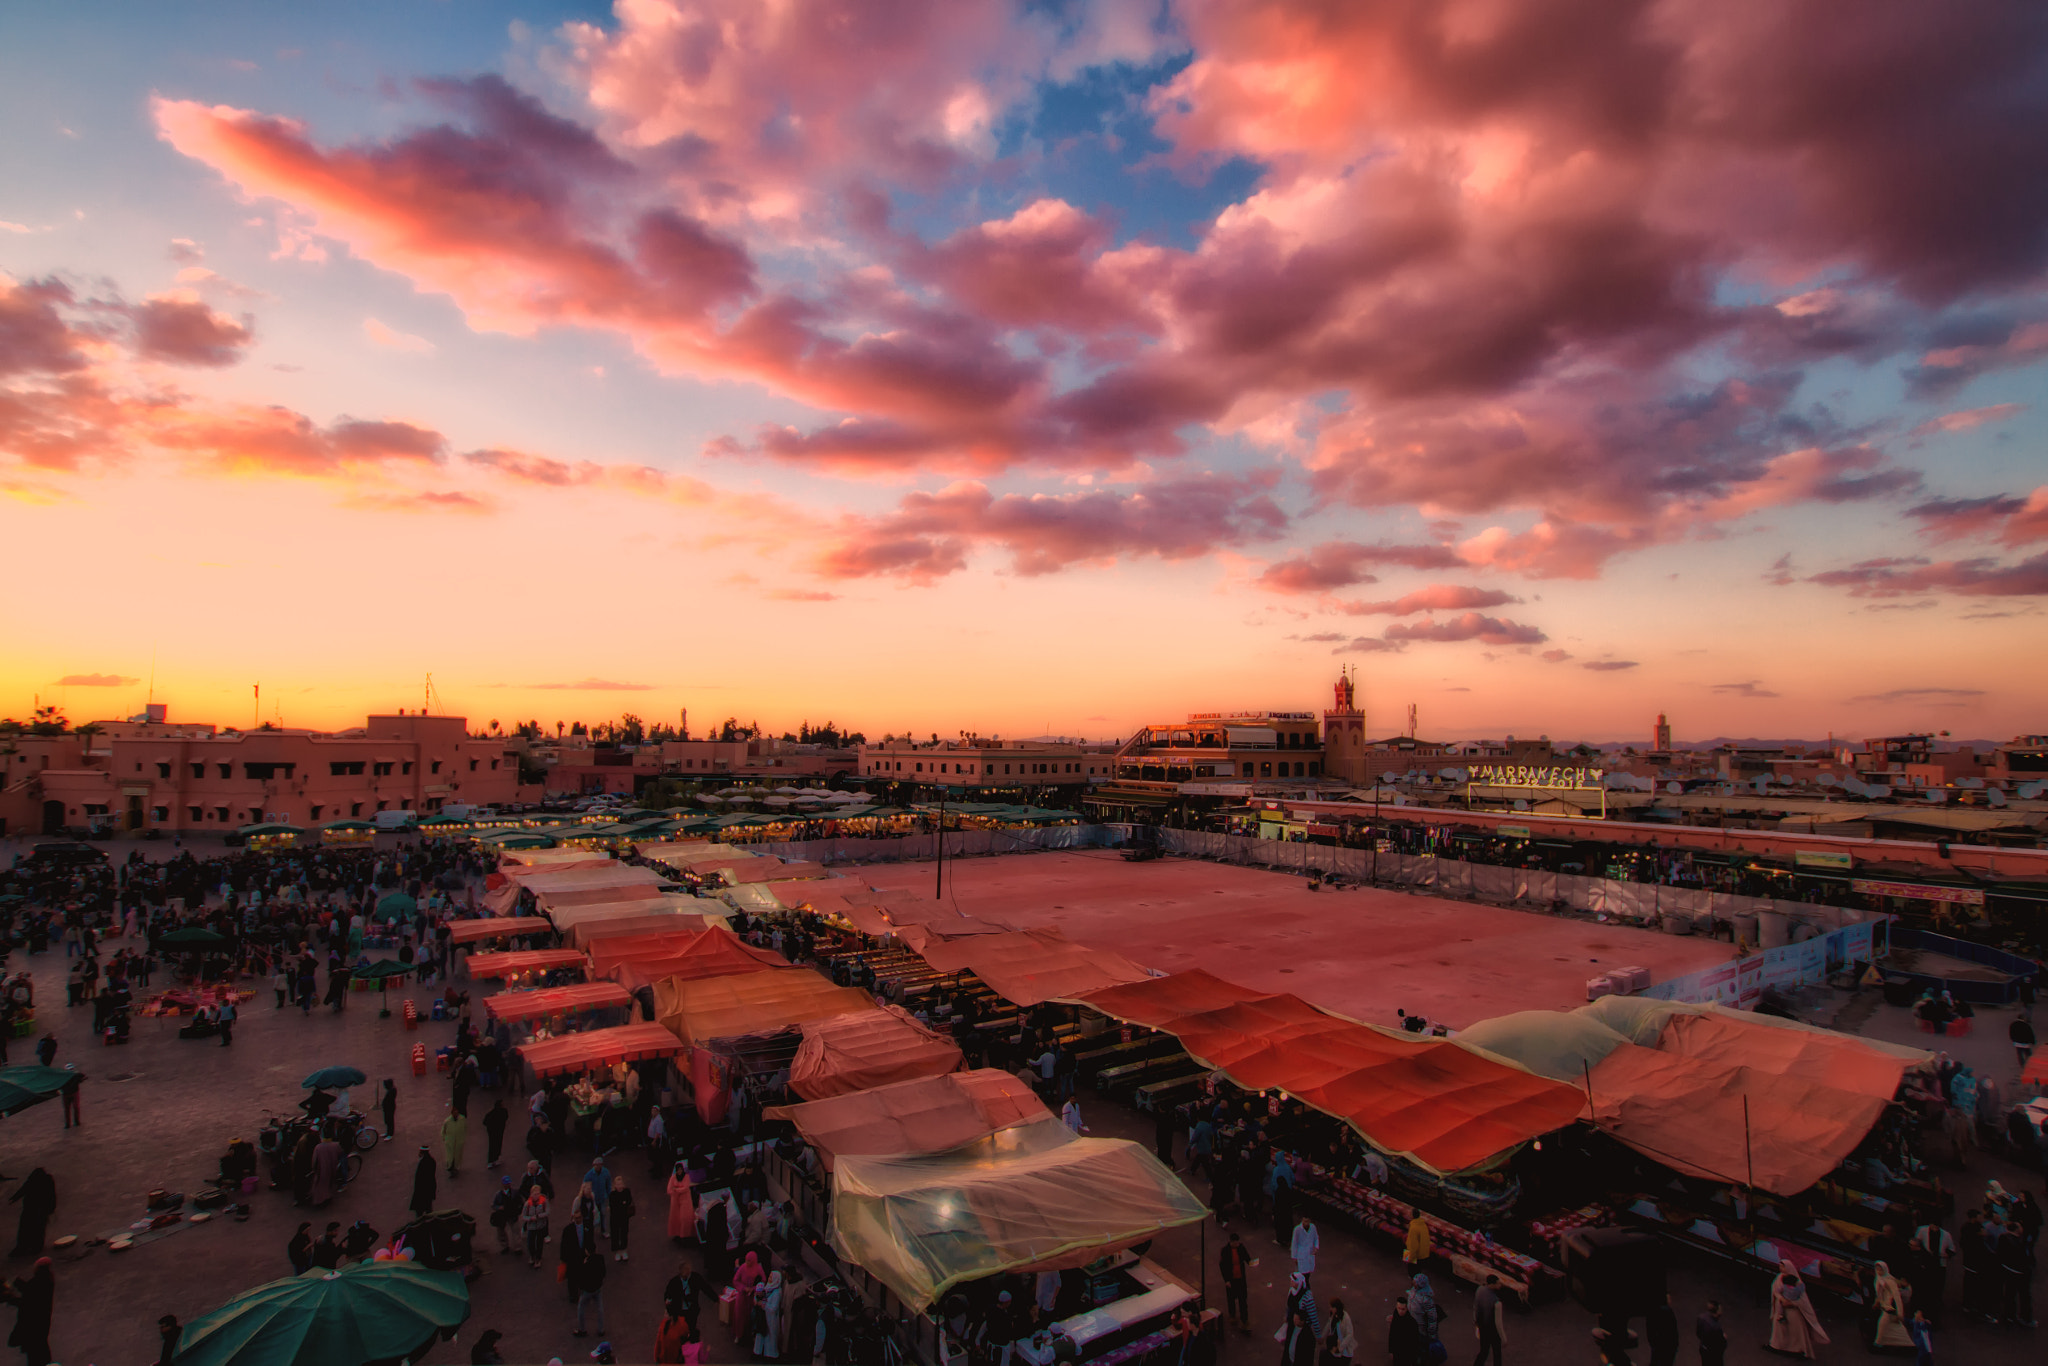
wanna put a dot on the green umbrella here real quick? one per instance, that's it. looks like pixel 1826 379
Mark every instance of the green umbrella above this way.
pixel 372 1311
pixel 29 1084
pixel 396 906
pixel 381 972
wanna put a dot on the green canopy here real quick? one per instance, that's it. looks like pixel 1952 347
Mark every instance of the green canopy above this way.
pixel 395 906
pixel 193 937
pixel 371 1311
pixel 29 1084
pixel 444 823
pixel 520 839
pixel 269 828
pixel 348 825
pixel 382 969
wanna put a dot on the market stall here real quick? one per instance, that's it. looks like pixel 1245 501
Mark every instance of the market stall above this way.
pixel 348 834
pixel 928 1115
pixel 868 1048
pixel 1027 967
pixel 588 934
pixel 598 1048
pixel 524 963
pixel 269 836
pixel 497 927
pixel 643 960
pixel 546 1003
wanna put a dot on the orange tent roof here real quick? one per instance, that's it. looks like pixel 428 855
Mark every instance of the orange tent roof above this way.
pixel 1026 967
pixel 866 1049
pixel 538 1005
pixel 928 1115
pixel 716 952
pixel 598 1048
pixel 527 960
pixel 708 1008
pixel 1440 1104
pixel 497 927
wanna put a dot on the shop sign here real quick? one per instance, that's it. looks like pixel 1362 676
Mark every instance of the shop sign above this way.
pixel 1519 832
pixel 1549 777
pixel 1957 896
pixel 1824 858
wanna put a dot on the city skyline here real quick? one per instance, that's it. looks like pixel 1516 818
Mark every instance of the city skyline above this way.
pixel 1047 368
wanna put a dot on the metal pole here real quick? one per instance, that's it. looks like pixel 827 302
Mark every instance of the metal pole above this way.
pixel 939 865
pixel 1748 1157
pixel 1205 1264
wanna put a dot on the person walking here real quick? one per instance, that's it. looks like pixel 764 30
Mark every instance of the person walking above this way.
pixel 599 1179
pixel 168 1333
pixel 1297 1342
pixel 619 1205
pixel 424 1183
pixel 1404 1341
pixel 1488 1322
pixel 586 1279
pixel 225 1018
pixel 1795 1327
pixel 299 1250
pixel 1922 1333
pixel 389 1102
pixel 1713 1338
pixel 1306 1242
pixel 540 1142
pixel 46 1050
pixel 2021 1033
pixel 495 1120
pixel 682 1208
pixel 1235 1262
pixel 37 1196
pixel 34 1298
pixel 1340 1343
pixel 533 1222
pixel 1660 1331
pixel 454 1138
pixel 505 1212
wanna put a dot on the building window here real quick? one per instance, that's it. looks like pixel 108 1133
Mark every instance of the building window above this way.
pixel 316 812
pixel 163 768
pixel 345 769
pixel 192 813
pixel 1315 770
pixel 1265 770
pixel 472 766
pixel 159 813
pixel 227 770
pixel 265 772
pixel 220 813
pixel 381 771
pixel 494 765
pixel 355 808
pixel 920 768
pixel 437 766
pixel 1247 768
pixel 138 766
pixel 382 805
pixel 406 768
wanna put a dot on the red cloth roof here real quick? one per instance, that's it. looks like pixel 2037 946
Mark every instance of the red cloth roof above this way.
pixel 1443 1105
pixel 702 1009
pixel 496 927
pixel 526 960
pixel 928 1115
pixel 538 1005
pixel 716 952
pixel 1026 967
pixel 598 1048
pixel 868 1048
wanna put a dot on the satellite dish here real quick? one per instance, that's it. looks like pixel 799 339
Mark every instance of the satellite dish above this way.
pixel 1674 788
pixel 1995 797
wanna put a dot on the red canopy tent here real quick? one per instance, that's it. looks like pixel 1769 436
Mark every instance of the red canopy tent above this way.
pixel 598 1048
pixel 928 1115
pixel 497 927
pixel 525 960
pixel 1026 967
pixel 1433 1101
pixel 865 1049
pixel 538 1005
pixel 716 952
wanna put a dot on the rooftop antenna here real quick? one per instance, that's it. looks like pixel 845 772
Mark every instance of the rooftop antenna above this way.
pixel 152 674
pixel 1411 720
pixel 256 710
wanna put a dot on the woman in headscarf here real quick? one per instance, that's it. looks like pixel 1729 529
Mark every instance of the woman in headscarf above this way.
pixel 1422 1307
pixel 745 1280
pixel 1416 1247
pixel 1302 1300
pixel 300 1250
pixel 454 1138
pixel 682 1208
pixel 768 1318
pixel 1890 1298
pixel 1795 1328
pixel 717 1256
pixel 37 1196
pixel 35 1300
pixel 424 1182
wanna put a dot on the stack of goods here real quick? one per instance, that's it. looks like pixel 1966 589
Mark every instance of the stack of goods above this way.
pixel 1547 1234
pixel 1467 1251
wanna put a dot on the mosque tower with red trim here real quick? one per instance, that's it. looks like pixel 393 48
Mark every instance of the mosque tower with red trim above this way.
pixel 1344 734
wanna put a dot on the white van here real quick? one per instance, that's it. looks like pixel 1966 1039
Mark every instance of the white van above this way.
pixel 395 820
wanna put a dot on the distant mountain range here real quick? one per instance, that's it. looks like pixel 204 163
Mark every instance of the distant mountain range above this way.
pixel 1752 742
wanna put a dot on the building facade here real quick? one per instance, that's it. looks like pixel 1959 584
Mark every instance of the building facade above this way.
pixel 155 775
pixel 986 766
pixel 1224 746
pixel 1344 742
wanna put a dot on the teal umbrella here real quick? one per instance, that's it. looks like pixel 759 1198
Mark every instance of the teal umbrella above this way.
pixel 30 1084
pixel 381 972
pixel 396 906
pixel 193 937
pixel 372 1311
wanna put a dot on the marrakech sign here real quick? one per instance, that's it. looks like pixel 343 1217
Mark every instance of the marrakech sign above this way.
pixel 1556 778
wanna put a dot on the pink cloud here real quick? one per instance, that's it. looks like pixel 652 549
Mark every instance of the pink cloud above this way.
pixel 1608 665
pixel 1342 564
pixel 1553 548
pixel 1968 419
pixel 1437 597
pixel 1556 656
pixel 2012 521
pixel 1893 577
pixel 1468 626
pixel 931 534
pixel 185 331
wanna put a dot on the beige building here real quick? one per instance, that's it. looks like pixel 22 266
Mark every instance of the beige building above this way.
pixel 985 766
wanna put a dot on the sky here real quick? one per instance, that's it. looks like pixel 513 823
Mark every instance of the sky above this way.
pixel 1039 367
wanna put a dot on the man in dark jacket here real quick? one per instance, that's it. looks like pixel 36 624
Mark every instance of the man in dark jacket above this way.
pixel 1660 1331
pixel 1713 1337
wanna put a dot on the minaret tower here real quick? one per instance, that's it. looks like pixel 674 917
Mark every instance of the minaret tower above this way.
pixel 1344 734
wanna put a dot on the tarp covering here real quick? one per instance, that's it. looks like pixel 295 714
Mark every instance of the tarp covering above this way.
pixel 636 901
pixel 549 882
pixel 496 927
pixel 556 900
pixel 928 1115
pixel 716 952
pixel 538 1005
pixel 769 870
pixel 598 1048
pixel 868 1048
pixel 868 919
pixel 691 853
pixel 588 934
pixel 552 860
pixel 1026 967
pixel 525 960
pixel 1028 1198
pixel 750 1003
pixel 1440 1104
pixel 1671 1081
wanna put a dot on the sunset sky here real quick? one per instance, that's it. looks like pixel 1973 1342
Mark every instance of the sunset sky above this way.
pixel 1032 367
